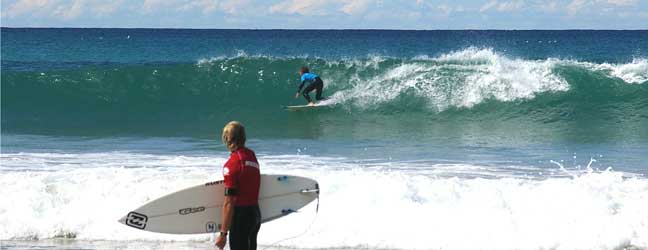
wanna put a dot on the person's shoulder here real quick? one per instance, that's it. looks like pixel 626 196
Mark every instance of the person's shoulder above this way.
pixel 249 151
pixel 234 158
pixel 242 153
pixel 249 154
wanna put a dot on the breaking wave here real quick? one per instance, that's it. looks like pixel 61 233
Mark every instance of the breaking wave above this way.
pixel 459 85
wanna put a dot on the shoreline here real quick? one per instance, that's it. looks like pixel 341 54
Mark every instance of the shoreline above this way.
pixel 74 244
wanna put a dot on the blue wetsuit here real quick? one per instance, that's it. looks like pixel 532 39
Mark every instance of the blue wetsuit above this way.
pixel 314 83
pixel 307 77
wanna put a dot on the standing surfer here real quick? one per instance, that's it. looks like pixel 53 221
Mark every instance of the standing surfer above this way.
pixel 314 83
pixel 242 179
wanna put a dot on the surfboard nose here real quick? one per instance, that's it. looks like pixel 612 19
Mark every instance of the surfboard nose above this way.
pixel 122 220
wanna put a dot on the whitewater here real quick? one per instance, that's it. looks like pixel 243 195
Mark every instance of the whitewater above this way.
pixel 82 195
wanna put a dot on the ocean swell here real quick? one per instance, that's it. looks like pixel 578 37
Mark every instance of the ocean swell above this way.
pixel 474 81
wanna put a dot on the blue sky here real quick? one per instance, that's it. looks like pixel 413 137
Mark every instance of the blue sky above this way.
pixel 328 14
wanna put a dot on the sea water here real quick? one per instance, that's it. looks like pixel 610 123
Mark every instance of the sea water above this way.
pixel 433 139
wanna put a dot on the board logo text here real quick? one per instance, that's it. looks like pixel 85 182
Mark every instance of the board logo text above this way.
pixel 191 210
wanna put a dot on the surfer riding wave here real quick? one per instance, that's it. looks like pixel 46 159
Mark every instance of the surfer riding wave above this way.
pixel 314 83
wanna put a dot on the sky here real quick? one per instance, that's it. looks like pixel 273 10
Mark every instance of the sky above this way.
pixel 328 14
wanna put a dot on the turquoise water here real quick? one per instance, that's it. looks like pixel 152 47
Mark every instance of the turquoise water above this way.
pixel 460 126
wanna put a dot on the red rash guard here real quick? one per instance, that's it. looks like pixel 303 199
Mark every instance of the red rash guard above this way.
pixel 242 177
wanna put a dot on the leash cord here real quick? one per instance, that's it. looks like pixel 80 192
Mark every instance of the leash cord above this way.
pixel 302 233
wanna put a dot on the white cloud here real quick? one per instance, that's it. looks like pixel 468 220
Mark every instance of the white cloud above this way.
pixel 510 6
pixel 445 9
pixel 488 6
pixel 68 12
pixel 504 6
pixel 623 2
pixel 106 8
pixel 352 7
pixel 576 5
pixel 302 7
pixel 549 6
pixel 234 6
pixel 272 13
pixel 205 6
pixel 149 6
pixel 24 6
pixel 65 10
pixel 231 7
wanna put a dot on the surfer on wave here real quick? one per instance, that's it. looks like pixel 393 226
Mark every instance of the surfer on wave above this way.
pixel 314 83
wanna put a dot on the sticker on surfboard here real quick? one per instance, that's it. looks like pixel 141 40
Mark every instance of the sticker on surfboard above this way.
pixel 136 220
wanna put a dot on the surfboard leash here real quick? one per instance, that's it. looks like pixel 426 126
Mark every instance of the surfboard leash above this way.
pixel 315 190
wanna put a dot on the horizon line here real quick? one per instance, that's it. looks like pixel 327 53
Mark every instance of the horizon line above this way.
pixel 322 29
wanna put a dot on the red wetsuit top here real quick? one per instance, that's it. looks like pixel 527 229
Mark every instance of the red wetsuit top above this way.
pixel 242 177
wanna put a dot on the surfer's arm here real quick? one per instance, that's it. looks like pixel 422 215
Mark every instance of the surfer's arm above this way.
pixel 231 192
pixel 228 211
pixel 230 177
pixel 299 89
pixel 301 85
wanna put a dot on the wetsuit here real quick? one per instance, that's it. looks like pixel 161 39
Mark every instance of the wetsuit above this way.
pixel 243 179
pixel 314 83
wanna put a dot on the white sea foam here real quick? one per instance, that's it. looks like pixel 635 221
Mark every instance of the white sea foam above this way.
pixel 632 72
pixel 374 206
pixel 392 210
pixel 461 78
pixel 458 79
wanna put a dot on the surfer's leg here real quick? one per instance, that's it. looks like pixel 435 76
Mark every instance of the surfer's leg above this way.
pixel 238 235
pixel 307 90
pixel 255 229
pixel 234 232
pixel 319 86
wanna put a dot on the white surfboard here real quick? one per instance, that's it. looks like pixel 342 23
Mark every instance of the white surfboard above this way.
pixel 320 104
pixel 197 209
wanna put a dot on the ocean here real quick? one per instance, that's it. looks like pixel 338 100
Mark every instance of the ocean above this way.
pixel 471 139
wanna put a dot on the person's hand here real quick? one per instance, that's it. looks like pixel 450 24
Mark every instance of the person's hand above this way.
pixel 221 240
pixel 296 95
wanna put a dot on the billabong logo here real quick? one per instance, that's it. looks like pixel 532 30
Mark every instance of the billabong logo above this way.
pixel 191 210
pixel 136 220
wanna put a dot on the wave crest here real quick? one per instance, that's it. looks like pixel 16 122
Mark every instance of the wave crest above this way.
pixel 457 79
pixel 633 72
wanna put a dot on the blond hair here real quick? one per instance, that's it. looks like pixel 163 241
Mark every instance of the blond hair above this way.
pixel 234 135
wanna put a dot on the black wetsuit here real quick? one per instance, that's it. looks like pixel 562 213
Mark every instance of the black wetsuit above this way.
pixel 246 223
